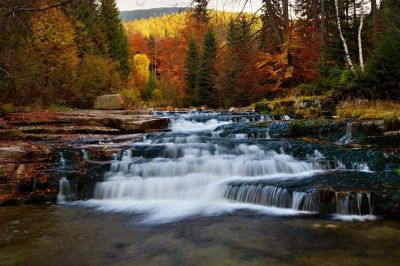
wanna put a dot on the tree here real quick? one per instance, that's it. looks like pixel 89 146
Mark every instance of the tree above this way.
pixel 97 76
pixel 206 77
pixel 88 26
pixel 374 12
pixel 384 67
pixel 285 7
pixel 141 70
pixel 152 85
pixel 56 54
pixel 200 10
pixel 239 79
pixel 118 47
pixel 192 66
pixel 344 42
pixel 360 46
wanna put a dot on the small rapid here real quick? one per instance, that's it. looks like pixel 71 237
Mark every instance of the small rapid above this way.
pixel 193 171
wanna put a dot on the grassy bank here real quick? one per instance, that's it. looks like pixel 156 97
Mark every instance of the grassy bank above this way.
pixel 362 109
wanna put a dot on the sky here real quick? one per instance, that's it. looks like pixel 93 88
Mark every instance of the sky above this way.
pixel 228 5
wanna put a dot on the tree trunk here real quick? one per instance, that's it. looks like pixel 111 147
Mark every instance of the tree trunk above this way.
pixel 274 26
pixel 346 49
pixel 374 12
pixel 315 18
pixel 360 47
pixel 322 24
pixel 355 13
pixel 285 5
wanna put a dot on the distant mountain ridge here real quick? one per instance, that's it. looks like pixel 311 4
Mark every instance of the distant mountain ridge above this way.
pixel 148 13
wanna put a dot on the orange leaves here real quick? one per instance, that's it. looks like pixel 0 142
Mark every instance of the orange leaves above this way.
pixel 137 43
pixel 305 51
pixel 273 70
pixel 171 61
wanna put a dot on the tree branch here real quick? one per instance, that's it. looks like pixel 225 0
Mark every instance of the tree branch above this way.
pixel 13 11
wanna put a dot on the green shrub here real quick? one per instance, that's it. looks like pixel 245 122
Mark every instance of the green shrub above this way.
pixel 7 108
pixel 307 90
pixel 131 98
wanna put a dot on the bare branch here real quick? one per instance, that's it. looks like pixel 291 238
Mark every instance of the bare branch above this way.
pixel 13 11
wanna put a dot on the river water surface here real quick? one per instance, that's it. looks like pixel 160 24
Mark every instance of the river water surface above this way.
pixel 214 191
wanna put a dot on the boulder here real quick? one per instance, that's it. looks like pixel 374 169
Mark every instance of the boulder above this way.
pixel 109 102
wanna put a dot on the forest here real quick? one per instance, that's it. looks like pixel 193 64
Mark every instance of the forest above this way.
pixel 70 53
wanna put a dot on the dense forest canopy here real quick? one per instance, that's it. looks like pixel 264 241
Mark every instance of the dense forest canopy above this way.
pixel 148 13
pixel 69 52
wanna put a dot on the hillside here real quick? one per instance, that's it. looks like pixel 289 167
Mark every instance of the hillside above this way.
pixel 148 13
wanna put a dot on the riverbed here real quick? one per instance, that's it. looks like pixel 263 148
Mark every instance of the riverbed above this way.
pixel 214 190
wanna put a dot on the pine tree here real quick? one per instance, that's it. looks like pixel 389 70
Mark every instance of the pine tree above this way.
pixel 152 84
pixel 206 77
pixel 200 10
pixel 192 65
pixel 239 49
pixel 85 17
pixel 118 42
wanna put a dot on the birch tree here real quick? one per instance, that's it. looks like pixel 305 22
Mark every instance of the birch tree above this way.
pixel 360 28
pixel 346 49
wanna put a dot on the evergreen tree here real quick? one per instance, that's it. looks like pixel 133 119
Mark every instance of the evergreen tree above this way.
pixel 118 48
pixel 206 77
pixel 239 49
pixel 85 17
pixel 192 65
pixel 152 84
pixel 200 10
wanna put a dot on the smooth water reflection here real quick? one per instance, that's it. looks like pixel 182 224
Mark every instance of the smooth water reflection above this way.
pixel 49 235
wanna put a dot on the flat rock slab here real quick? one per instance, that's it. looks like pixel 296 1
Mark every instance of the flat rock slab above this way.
pixel 100 122
pixel 68 129
pixel 29 143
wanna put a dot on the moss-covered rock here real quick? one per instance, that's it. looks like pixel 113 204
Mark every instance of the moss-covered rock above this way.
pixel 262 107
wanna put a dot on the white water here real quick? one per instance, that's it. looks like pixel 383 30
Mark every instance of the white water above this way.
pixel 348 137
pixel 64 189
pixel 191 177
pixel 187 125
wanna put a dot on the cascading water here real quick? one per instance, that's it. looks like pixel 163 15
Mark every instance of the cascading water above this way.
pixel 64 190
pixel 348 137
pixel 191 171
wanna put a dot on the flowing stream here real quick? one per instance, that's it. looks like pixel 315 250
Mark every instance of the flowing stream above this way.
pixel 192 170
pixel 214 190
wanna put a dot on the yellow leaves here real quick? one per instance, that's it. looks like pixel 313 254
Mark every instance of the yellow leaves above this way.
pixel 54 38
pixel 140 70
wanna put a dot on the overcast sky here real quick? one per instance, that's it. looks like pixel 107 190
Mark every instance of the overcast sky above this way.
pixel 236 5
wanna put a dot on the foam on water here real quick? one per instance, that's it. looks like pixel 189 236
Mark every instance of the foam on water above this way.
pixel 354 218
pixel 189 125
pixel 191 175
pixel 165 211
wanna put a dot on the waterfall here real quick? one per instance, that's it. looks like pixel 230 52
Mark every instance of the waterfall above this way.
pixel 62 160
pixel 353 203
pixel 347 203
pixel 195 170
pixel 85 155
pixel 348 137
pixel 64 190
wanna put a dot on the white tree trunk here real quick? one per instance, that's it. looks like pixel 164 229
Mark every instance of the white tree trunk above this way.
pixel 360 47
pixel 346 49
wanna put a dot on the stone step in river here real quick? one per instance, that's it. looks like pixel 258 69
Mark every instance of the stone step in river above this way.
pixel 192 171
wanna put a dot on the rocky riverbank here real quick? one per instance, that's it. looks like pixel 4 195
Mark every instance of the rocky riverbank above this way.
pixel 37 150
pixel 30 144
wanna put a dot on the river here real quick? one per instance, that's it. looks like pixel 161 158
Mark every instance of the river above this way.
pixel 214 191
